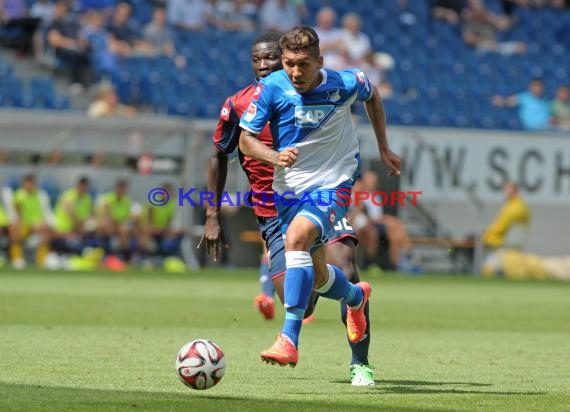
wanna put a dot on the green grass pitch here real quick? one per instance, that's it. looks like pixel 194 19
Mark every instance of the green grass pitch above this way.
pixel 103 341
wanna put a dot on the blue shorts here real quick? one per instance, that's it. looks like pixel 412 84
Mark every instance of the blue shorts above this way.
pixel 273 238
pixel 323 207
pixel 271 234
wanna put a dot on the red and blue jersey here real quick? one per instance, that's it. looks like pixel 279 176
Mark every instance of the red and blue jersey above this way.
pixel 226 139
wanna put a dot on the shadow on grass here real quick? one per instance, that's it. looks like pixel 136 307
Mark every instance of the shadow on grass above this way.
pixel 413 387
pixel 16 397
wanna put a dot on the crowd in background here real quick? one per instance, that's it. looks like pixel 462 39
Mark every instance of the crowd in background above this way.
pixel 89 39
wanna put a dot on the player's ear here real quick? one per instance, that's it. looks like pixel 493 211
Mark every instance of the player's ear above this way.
pixel 321 62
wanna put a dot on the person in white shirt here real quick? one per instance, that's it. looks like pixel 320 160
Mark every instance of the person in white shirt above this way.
pixel 333 46
pixel 279 15
pixel 188 14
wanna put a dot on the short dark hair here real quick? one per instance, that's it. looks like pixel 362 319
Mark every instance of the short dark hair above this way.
pixel 30 177
pixel 268 37
pixel 301 38
pixel 83 180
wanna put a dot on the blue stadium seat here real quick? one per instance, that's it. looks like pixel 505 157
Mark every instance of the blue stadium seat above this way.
pixel 13 93
pixel 5 69
pixel 123 85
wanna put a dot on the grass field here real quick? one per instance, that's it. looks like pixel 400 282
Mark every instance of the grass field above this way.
pixel 103 341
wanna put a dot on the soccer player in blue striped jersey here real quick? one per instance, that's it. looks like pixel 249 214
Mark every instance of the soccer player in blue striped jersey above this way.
pixel 316 158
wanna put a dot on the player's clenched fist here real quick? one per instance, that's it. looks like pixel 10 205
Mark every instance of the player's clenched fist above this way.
pixel 287 157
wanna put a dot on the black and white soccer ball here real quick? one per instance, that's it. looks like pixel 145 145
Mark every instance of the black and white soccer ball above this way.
pixel 200 364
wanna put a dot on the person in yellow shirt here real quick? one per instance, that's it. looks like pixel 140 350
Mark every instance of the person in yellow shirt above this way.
pixel 157 224
pixel 30 205
pixel 114 218
pixel 511 224
pixel 73 210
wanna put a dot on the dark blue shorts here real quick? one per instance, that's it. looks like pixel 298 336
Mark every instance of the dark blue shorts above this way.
pixel 271 234
pixel 343 229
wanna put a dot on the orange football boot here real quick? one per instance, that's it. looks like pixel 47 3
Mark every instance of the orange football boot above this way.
pixel 282 352
pixel 355 319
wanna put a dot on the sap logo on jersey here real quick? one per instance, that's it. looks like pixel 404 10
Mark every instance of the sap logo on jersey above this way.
pixel 312 116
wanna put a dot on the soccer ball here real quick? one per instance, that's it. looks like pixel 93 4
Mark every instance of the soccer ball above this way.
pixel 200 364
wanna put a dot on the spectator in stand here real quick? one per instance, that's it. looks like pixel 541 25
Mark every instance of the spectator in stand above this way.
pixel 64 37
pixel 17 28
pixel 560 109
pixel 534 110
pixel 102 58
pixel 481 28
pixel 281 15
pixel 124 36
pixel 189 15
pixel 448 10
pixel 159 37
pixel 107 104
pixel 333 47
pixel 359 53
pixel 356 42
pixel 233 15
pixel 45 11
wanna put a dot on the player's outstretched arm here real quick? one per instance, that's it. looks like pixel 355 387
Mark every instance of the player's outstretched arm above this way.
pixel 252 147
pixel 377 115
pixel 213 231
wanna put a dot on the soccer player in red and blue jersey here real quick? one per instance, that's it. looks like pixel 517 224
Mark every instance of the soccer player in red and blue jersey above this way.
pixel 266 58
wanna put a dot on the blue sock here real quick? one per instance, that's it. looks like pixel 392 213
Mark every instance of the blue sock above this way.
pixel 360 349
pixel 339 288
pixel 293 323
pixel 265 279
pixel 299 280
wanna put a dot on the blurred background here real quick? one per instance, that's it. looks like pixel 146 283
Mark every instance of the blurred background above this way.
pixel 126 95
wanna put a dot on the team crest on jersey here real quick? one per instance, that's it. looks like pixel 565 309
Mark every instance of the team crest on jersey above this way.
pixel 225 113
pixel 312 116
pixel 333 95
pixel 251 112
pixel 332 217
